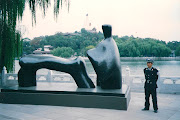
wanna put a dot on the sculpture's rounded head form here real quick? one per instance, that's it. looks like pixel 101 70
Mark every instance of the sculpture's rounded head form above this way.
pixel 107 30
pixel 105 59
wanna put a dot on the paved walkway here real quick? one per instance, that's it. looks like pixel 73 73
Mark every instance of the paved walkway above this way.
pixel 169 109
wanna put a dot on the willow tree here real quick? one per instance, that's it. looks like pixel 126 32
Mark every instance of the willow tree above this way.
pixel 11 11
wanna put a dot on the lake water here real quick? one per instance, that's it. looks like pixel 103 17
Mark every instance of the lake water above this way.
pixel 167 68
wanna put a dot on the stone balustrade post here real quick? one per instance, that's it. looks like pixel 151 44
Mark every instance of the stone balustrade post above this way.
pixel 3 80
pixel 127 76
pixel 49 76
pixel 127 71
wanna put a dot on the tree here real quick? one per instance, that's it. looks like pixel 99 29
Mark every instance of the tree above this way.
pixel 10 39
pixel 136 47
pixel 84 40
pixel 177 52
pixel 27 49
pixel 63 52
pixel 84 50
pixel 173 45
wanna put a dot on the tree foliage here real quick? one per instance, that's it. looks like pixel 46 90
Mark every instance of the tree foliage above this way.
pixel 80 42
pixel 139 47
pixel 177 52
pixel 11 11
pixel 10 38
pixel 173 45
pixel 65 52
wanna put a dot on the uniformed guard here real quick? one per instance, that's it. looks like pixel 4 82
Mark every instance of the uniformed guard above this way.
pixel 151 76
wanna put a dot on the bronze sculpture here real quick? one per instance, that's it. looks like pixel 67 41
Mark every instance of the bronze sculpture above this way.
pixel 105 59
pixel 106 62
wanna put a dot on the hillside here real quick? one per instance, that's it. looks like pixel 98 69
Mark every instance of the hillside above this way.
pixel 77 43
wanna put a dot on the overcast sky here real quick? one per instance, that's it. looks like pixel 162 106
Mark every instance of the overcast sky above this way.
pixel 158 19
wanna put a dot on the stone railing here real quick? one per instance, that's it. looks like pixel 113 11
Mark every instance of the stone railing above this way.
pixel 166 84
pixel 10 79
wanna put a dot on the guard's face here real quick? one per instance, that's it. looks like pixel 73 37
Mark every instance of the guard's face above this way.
pixel 149 64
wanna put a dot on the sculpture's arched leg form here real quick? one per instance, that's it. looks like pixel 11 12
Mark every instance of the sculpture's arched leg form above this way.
pixel 31 63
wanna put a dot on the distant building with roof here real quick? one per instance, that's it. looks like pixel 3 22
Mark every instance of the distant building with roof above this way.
pixel 26 39
pixel 71 34
pixel 47 50
pixel 92 31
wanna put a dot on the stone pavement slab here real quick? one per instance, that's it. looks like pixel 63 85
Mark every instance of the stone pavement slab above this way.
pixel 169 109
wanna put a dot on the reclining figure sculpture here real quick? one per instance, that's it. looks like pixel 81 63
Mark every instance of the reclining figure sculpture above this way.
pixel 31 63
pixel 105 59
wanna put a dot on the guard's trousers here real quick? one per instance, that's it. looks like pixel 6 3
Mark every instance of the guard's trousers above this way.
pixel 153 93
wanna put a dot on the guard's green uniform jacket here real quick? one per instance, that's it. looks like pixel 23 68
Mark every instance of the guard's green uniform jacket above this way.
pixel 151 76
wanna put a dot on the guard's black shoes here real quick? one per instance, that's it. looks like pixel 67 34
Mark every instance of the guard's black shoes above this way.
pixel 155 111
pixel 144 109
